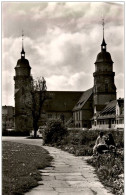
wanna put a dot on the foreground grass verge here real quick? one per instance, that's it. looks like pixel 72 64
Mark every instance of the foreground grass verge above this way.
pixel 20 167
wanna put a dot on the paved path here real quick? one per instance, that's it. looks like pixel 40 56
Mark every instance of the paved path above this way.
pixel 69 175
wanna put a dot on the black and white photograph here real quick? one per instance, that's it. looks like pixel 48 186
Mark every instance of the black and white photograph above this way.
pixel 62 97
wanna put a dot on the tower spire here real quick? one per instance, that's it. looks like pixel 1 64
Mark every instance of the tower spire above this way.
pixel 22 52
pixel 103 45
pixel 103 26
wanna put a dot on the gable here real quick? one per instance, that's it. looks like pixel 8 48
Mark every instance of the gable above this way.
pixel 83 99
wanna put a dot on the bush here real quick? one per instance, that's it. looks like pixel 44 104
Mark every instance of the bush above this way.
pixel 110 168
pixel 81 142
pixel 54 132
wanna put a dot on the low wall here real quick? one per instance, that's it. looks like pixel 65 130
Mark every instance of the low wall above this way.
pixel 96 128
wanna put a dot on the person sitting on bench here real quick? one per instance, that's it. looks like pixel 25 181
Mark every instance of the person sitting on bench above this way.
pixel 110 142
pixel 100 144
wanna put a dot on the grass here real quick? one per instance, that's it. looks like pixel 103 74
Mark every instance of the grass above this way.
pixel 20 167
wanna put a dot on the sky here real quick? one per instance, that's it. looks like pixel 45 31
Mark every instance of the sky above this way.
pixel 61 41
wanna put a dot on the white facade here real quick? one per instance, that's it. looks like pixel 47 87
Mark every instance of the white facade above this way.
pixel 113 118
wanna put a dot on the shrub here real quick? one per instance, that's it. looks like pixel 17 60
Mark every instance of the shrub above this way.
pixel 82 142
pixel 110 168
pixel 54 132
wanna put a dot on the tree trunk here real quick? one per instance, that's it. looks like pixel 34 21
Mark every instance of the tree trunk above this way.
pixel 35 133
pixel 35 126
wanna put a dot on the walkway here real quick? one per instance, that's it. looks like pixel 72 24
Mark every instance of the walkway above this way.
pixel 69 175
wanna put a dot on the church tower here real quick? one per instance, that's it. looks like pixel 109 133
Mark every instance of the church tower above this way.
pixel 104 87
pixel 22 80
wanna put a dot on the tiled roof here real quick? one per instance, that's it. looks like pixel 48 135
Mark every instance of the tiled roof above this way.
pixel 83 99
pixel 110 108
pixel 62 100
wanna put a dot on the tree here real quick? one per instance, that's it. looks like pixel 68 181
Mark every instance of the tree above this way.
pixel 35 97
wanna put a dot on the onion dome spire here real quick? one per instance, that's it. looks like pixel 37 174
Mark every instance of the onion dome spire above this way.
pixel 103 56
pixel 22 52
pixel 103 45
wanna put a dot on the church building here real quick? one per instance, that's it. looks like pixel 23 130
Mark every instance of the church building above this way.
pixel 76 108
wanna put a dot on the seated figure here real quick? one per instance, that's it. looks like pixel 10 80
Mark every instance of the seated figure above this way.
pixel 100 144
pixel 110 141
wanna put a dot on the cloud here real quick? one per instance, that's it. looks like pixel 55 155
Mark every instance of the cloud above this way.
pixel 61 42
pixel 119 80
pixel 75 82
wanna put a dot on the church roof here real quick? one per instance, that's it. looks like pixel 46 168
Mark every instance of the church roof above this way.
pixel 83 99
pixel 104 56
pixel 62 101
pixel 103 42
pixel 23 63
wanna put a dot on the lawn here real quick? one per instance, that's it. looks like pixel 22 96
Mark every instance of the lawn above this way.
pixel 20 167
